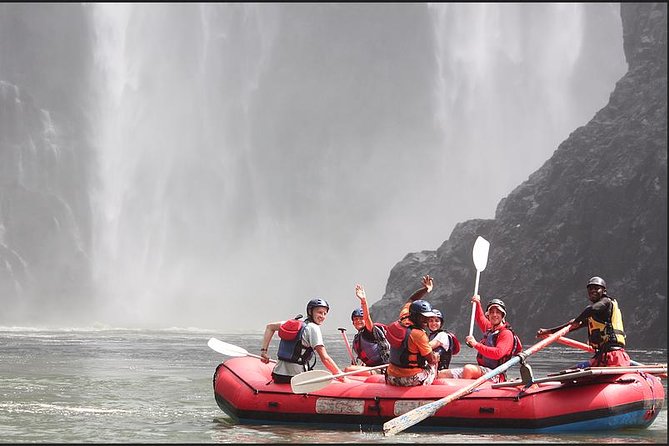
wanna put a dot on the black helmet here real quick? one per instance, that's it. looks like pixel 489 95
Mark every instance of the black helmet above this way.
pixel 356 313
pixel 316 302
pixel 596 281
pixel 438 314
pixel 422 307
pixel 499 303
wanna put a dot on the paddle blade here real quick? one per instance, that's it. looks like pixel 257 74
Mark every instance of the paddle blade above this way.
pixel 480 253
pixel 226 349
pixel 310 381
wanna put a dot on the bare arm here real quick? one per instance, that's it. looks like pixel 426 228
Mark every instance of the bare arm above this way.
pixel 360 293
pixel 581 320
pixel 267 337
pixel 428 284
pixel 546 331
pixel 327 361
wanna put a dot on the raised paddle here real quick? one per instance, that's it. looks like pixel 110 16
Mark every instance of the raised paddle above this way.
pixel 480 256
pixel 314 380
pixel 420 413
pixel 230 350
pixel 348 346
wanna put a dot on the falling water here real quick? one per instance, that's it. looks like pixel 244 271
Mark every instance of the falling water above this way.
pixel 254 156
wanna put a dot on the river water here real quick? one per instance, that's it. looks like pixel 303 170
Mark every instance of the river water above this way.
pixel 155 386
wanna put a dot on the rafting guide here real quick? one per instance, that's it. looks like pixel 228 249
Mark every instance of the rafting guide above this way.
pixel 605 327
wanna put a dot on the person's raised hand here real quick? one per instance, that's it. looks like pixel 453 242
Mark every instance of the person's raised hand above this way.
pixel 360 292
pixel 428 282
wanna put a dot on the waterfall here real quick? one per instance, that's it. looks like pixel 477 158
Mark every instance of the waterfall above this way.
pixel 508 86
pixel 250 157
pixel 172 165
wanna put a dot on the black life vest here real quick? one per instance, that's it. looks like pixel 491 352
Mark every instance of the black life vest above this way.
pixel 446 355
pixel 398 337
pixel 372 347
pixel 291 348
pixel 490 339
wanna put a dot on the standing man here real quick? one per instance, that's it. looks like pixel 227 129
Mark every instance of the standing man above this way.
pixel 605 327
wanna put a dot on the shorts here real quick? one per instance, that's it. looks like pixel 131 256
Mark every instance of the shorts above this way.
pixel 457 374
pixel 423 378
pixel 280 379
pixel 499 378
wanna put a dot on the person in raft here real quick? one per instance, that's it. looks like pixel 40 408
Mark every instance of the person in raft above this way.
pixel 605 327
pixel 498 345
pixel 428 284
pixel 299 340
pixel 442 341
pixel 412 360
pixel 369 343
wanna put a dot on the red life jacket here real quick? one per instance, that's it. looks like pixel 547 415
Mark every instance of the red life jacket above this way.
pixel 372 347
pixel 490 339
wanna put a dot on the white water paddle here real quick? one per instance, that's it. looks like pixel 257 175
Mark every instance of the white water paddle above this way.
pixel 314 380
pixel 230 350
pixel 480 257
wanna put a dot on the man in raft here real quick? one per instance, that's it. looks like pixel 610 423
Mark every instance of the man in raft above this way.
pixel 299 340
pixel 605 327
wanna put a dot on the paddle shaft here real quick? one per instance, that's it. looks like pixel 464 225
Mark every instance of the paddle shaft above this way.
pixel 585 347
pixel 339 375
pixel 348 346
pixel 418 414
pixel 476 291
pixel 659 371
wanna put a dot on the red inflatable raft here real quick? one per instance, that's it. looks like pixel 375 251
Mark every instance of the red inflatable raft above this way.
pixel 592 399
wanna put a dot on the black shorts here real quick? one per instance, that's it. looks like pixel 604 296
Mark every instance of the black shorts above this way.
pixel 281 379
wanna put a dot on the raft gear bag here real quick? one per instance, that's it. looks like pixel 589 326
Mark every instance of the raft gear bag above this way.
pixel 291 348
pixel 395 334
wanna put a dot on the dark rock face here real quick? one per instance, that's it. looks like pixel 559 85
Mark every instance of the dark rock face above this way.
pixel 598 206
pixel 44 206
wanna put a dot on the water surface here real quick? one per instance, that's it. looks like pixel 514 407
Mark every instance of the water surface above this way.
pixel 155 386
